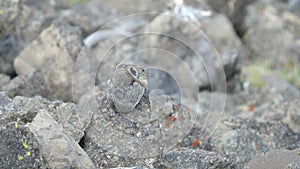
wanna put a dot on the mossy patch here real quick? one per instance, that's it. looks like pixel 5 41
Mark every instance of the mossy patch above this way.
pixel 254 74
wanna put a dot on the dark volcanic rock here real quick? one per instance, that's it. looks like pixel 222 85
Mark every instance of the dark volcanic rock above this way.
pixel 186 158
pixel 19 148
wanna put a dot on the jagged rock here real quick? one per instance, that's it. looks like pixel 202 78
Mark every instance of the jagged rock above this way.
pixel 58 149
pixel 27 85
pixel 294 6
pixel 244 138
pixel 90 16
pixel 4 79
pixel 121 139
pixel 279 158
pixel 22 109
pixel 19 148
pixel 20 23
pixel 279 43
pixel 186 158
pixel 293 115
pixel 234 10
pixel 53 53
pixel 182 38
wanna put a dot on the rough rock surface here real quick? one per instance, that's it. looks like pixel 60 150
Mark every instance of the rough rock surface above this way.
pixel 81 15
pixel 59 149
pixel 4 79
pixel 186 158
pixel 190 44
pixel 180 121
pixel 27 85
pixel 264 37
pixel 19 148
pixel 279 158
pixel 20 23
pixel 53 53
pixel 244 138
pixel 234 10
pixel 24 109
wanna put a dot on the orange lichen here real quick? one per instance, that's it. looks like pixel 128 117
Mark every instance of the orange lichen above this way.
pixel 195 143
pixel 251 108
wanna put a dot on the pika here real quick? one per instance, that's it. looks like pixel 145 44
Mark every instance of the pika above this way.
pixel 127 87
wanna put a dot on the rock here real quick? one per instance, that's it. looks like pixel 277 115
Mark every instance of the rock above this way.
pixel 90 16
pixel 59 149
pixel 53 53
pixel 73 120
pixel 8 110
pixel 131 6
pixel 27 85
pixel 121 139
pixel 279 158
pixel 23 110
pixel 293 115
pixel 4 79
pixel 294 6
pixel 185 158
pixel 277 85
pixel 244 138
pixel 20 23
pixel 188 42
pixel 278 43
pixel 19 148
pixel 234 10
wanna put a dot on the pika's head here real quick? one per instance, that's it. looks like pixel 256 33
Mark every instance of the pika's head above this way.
pixel 138 73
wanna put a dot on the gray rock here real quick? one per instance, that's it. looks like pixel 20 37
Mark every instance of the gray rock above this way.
pixel 59 149
pixel 8 110
pixel 19 148
pixel 280 158
pixel 4 79
pixel 294 6
pixel 234 10
pixel 175 35
pixel 129 139
pixel 186 158
pixel 20 23
pixel 73 120
pixel 244 138
pixel 278 43
pixel 53 53
pixel 23 110
pixel 27 85
pixel 90 16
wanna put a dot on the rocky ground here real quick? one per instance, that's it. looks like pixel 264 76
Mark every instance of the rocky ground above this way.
pixel 223 81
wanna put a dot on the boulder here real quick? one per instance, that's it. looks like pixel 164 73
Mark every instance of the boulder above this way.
pixel 59 149
pixel 20 22
pixel 279 158
pixel 54 54
pixel 277 43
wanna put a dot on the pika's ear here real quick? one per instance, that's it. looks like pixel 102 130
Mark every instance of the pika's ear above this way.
pixel 132 70
pixel 120 66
